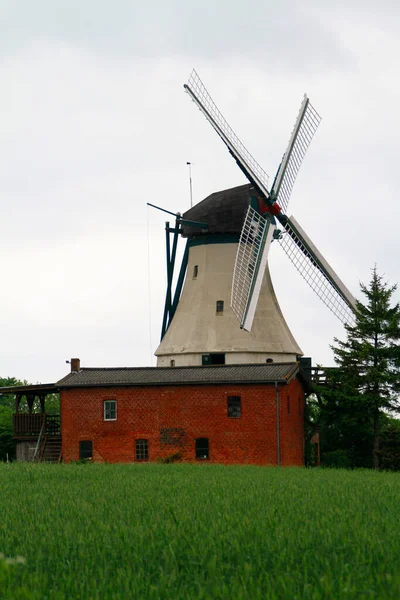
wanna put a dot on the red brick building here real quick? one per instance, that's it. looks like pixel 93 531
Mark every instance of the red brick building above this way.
pixel 233 414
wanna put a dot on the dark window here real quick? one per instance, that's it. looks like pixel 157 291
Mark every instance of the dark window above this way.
pixel 202 450
pixel 172 363
pixel 269 360
pixel 85 449
pixel 110 410
pixel 234 407
pixel 195 271
pixel 213 359
pixel 220 306
pixel 288 405
pixel 217 359
pixel 142 449
pixel 206 359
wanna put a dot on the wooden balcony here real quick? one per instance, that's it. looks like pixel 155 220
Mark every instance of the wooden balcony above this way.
pixel 29 425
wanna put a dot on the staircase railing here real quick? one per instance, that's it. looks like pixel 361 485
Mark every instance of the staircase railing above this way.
pixel 39 440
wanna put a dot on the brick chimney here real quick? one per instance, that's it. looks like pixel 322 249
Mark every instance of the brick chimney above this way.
pixel 75 365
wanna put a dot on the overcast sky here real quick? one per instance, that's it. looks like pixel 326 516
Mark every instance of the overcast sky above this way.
pixel 95 123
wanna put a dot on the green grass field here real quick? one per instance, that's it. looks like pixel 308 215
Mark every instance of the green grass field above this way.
pixel 197 531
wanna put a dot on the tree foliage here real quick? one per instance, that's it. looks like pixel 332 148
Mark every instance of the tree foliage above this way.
pixel 7 407
pixel 355 408
pixel 370 357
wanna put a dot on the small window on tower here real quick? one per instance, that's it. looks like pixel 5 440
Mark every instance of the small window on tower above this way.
pixel 234 407
pixel 217 359
pixel 195 271
pixel 142 449
pixel 213 359
pixel 172 363
pixel 269 360
pixel 220 307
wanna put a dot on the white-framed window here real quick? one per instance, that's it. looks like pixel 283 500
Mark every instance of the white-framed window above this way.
pixel 110 410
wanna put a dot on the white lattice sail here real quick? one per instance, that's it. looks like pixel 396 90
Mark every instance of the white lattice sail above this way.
pixel 206 104
pixel 317 272
pixel 257 232
pixel 303 131
pixel 250 265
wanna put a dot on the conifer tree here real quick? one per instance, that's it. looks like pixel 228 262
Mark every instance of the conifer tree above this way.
pixel 369 359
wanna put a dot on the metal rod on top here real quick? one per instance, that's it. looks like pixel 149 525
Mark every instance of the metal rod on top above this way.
pixel 190 183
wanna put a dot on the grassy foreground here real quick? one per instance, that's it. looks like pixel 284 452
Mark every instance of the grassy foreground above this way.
pixel 197 531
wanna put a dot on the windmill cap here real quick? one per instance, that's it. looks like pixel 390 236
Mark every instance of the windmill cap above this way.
pixel 223 212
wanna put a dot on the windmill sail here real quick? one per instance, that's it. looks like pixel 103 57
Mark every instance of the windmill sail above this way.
pixel 317 272
pixel 306 125
pixel 250 167
pixel 258 231
pixel 250 265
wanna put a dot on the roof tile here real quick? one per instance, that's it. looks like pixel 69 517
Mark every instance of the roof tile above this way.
pixel 150 376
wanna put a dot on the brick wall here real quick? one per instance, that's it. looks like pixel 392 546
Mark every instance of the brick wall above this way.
pixel 171 418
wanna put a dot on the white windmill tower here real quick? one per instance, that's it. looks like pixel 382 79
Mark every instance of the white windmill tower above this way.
pixel 229 235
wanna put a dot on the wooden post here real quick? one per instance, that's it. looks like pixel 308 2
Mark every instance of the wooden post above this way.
pixel 316 448
pixel 30 398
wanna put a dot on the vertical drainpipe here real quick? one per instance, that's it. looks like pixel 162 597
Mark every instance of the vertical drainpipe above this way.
pixel 278 423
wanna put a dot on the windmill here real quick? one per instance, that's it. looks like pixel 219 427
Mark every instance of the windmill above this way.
pixel 229 235
pixel 260 224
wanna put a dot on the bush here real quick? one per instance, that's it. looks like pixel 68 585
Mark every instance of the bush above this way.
pixel 171 458
pixel 337 459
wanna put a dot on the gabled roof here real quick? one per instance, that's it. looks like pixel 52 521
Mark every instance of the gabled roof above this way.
pixel 160 376
pixel 37 389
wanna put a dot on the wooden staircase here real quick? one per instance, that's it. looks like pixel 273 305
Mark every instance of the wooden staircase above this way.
pixel 48 446
pixel 50 450
pixel 39 436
